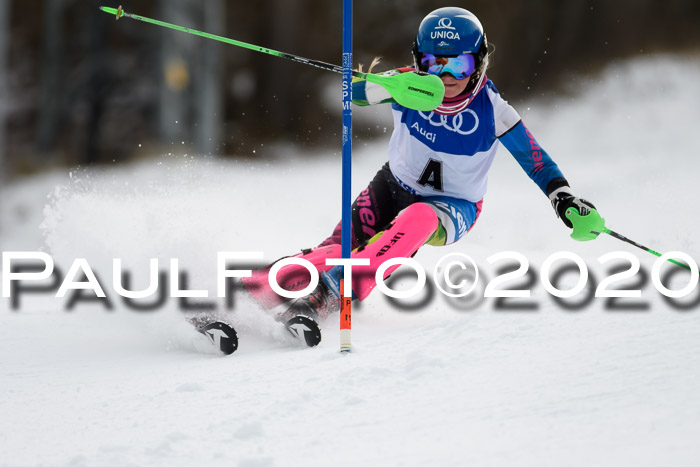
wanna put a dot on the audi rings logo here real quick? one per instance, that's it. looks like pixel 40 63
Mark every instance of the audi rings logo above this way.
pixel 445 23
pixel 454 123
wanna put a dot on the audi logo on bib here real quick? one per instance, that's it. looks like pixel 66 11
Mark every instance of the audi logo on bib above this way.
pixel 455 123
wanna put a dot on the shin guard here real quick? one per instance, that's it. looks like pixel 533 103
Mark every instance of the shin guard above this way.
pixel 290 277
pixel 409 231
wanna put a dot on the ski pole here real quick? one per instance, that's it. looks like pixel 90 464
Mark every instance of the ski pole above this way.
pixel 642 247
pixel 588 227
pixel 412 90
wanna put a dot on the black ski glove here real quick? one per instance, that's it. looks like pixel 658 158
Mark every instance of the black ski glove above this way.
pixel 562 199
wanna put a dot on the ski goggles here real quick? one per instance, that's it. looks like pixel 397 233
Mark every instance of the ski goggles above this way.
pixel 460 66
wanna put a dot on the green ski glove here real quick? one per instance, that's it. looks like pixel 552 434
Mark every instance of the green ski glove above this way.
pixel 576 213
pixel 586 227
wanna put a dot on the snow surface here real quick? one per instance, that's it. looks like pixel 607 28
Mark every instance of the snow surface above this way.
pixel 451 383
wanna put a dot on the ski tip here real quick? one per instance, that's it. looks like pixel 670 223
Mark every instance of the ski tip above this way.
pixel 304 328
pixel 221 335
pixel 117 12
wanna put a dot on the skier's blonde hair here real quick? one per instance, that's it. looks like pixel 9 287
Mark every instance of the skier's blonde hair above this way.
pixel 374 63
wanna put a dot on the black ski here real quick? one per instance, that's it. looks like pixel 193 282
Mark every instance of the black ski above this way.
pixel 303 327
pixel 221 335
pixel 225 339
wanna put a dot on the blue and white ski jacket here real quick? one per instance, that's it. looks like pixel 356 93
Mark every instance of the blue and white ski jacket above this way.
pixel 433 153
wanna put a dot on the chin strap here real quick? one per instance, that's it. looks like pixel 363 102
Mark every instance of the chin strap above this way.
pixel 452 108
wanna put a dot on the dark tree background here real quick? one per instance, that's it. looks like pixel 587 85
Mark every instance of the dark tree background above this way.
pixel 79 88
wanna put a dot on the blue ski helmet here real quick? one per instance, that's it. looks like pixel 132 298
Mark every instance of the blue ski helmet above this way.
pixel 453 31
pixel 450 31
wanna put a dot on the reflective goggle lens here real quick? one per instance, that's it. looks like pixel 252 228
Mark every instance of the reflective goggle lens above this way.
pixel 460 67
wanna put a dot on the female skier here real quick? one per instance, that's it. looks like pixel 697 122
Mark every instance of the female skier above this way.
pixel 431 189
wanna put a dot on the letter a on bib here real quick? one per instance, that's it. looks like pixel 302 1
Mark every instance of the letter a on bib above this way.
pixel 432 175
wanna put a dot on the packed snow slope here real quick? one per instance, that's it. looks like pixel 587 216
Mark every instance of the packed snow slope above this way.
pixel 448 383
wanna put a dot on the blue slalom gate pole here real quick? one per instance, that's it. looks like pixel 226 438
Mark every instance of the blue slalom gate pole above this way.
pixel 346 233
